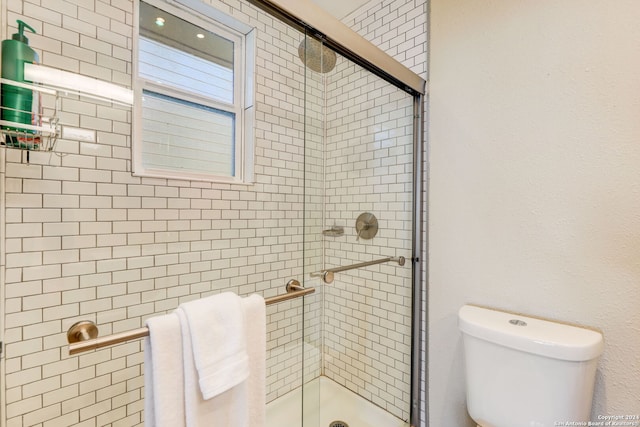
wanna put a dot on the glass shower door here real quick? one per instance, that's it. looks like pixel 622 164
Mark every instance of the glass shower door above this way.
pixel 357 328
pixel 317 60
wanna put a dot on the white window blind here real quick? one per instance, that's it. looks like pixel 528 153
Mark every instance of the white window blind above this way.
pixel 193 96
pixel 182 136
pixel 171 67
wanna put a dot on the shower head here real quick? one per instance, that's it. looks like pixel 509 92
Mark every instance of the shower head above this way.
pixel 316 56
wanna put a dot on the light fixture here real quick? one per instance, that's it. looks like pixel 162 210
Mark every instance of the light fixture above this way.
pixel 160 21
pixel 78 84
pixel 200 35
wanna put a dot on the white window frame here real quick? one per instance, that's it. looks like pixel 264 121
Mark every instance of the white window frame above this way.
pixel 243 36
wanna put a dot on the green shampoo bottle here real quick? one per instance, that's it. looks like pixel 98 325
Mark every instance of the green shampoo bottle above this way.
pixel 17 102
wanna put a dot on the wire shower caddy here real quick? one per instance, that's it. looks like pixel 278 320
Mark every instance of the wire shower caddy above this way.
pixel 43 131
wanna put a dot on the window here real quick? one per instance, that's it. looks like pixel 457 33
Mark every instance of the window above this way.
pixel 194 100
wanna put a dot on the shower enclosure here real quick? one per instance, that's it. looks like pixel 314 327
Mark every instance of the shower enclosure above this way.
pixel 355 358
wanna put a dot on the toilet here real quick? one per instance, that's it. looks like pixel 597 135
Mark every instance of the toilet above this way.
pixel 527 372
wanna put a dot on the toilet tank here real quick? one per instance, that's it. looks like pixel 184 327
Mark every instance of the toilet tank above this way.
pixel 527 372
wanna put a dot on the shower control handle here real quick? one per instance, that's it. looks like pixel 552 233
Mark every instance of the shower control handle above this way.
pixel 366 226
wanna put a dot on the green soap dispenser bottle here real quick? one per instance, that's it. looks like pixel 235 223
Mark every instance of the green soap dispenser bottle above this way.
pixel 16 101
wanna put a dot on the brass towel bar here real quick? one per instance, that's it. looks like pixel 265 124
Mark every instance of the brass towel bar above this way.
pixel 328 274
pixel 83 336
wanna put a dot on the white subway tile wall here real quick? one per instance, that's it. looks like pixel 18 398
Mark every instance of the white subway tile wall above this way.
pixel 87 240
pixel 369 169
pixel 84 239
pixel 399 27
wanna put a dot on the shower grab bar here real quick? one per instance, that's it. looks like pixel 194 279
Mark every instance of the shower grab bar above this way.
pixel 327 275
pixel 83 335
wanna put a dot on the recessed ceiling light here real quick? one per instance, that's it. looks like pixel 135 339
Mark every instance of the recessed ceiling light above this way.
pixel 200 35
pixel 160 21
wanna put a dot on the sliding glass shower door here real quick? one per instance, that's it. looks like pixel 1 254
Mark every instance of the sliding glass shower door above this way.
pixel 358 184
pixel 318 62
pixel 345 354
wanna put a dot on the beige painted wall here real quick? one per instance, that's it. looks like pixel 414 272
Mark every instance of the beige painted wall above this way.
pixel 535 180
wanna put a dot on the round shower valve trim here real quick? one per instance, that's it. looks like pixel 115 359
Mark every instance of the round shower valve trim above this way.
pixel 366 226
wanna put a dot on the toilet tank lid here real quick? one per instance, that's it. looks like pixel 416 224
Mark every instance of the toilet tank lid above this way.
pixel 537 336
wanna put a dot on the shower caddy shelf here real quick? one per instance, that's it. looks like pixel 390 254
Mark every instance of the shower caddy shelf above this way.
pixel 42 135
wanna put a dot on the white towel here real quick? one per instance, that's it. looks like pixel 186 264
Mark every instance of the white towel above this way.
pixel 245 404
pixel 163 373
pixel 215 326
pixel 183 404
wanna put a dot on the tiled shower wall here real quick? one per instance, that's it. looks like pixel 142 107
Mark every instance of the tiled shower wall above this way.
pixel 369 169
pixel 84 239
pixel 400 28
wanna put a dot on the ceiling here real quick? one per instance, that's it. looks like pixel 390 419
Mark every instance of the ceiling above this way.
pixel 340 8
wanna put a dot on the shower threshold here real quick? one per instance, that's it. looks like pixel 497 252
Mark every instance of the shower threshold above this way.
pixel 327 402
